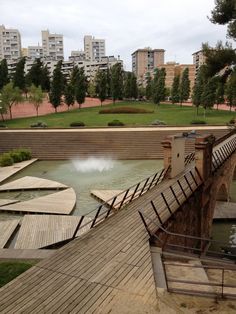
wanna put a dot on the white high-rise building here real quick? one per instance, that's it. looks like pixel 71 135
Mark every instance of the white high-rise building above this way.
pixel 35 52
pixel 52 46
pixel 10 43
pixel 94 48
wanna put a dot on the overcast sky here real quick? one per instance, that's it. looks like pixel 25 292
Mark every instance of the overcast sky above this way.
pixel 178 26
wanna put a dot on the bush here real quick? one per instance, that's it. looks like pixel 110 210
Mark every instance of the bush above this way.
pixel 16 156
pixel 39 124
pixel 124 110
pixel 232 121
pixel 3 126
pixel 77 124
pixel 158 122
pixel 6 160
pixel 198 122
pixel 25 154
pixel 115 123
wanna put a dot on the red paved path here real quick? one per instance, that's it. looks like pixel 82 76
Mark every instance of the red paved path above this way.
pixel 27 109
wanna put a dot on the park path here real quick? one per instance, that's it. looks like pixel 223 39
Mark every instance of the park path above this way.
pixel 27 109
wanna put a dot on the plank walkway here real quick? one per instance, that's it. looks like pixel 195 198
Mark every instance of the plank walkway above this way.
pixel 32 183
pixel 38 231
pixel 225 210
pixel 7 172
pixel 62 202
pixel 106 196
pixel 108 270
pixel 7 202
pixel 6 230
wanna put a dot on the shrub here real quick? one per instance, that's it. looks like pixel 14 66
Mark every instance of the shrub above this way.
pixel 16 156
pixel 6 160
pixel 24 153
pixel 3 126
pixel 124 110
pixel 77 124
pixel 198 122
pixel 158 122
pixel 115 123
pixel 232 121
pixel 39 124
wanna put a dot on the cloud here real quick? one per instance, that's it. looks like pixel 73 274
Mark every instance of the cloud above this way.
pixel 179 27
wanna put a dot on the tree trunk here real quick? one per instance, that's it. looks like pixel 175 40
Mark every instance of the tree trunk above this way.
pixel 10 112
pixel 37 111
pixel 2 117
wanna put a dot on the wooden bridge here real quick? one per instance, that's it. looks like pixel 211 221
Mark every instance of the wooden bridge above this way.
pixel 110 269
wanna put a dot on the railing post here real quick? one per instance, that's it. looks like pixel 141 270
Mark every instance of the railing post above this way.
pixel 111 206
pixel 156 212
pixel 153 179
pixel 126 193
pixel 189 185
pixel 137 186
pixel 96 216
pixel 162 171
pixel 77 228
pixel 145 224
pixel 167 205
pixel 182 189
pixel 144 186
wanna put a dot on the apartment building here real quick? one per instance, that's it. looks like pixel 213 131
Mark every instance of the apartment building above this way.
pixel 94 48
pixel 77 55
pixel 52 45
pixel 146 60
pixel 198 60
pixel 35 52
pixel 10 43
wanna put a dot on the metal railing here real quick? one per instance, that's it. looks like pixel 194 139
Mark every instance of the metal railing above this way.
pixel 223 153
pixel 221 285
pixel 114 204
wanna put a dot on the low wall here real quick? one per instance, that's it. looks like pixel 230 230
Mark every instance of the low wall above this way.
pixel 121 143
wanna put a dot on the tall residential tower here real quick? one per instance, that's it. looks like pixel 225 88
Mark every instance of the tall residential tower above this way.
pixel 10 43
pixel 94 48
pixel 52 46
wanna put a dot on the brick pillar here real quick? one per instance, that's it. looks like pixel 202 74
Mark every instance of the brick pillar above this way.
pixel 174 154
pixel 203 155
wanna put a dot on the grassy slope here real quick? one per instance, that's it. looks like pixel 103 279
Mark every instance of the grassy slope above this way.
pixel 171 114
pixel 10 270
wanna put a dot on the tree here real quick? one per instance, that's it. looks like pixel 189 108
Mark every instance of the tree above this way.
pixel 175 90
pixel 127 84
pixel 19 75
pixel 219 93
pixel 69 95
pixel 149 86
pixel 209 94
pixel 36 97
pixel 45 80
pixel 57 86
pixel 91 90
pixel 134 86
pixel 80 87
pixel 225 13
pixel 184 87
pixel 3 107
pixel 34 76
pixel 230 90
pixel 116 82
pixel 4 77
pixel 159 85
pixel 101 85
pixel 10 96
pixel 218 57
pixel 108 79
pixel 198 87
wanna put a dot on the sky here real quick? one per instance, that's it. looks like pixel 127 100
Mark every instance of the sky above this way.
pixel 178 26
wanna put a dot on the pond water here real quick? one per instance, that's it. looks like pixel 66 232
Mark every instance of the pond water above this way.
pixel 86 175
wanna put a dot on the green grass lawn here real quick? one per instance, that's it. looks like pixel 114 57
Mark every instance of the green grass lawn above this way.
pixel 10 270
pixel 171 114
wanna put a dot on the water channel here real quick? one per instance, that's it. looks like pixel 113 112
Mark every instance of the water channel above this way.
pixel 100 173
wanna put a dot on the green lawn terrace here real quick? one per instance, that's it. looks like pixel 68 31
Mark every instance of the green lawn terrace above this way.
pixel 172 115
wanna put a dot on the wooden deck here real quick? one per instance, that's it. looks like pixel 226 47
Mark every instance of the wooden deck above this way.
pixel 7 172
pixel 6 230
pixel 106 196
pixel 32 183
pixel 7 254
pixel 38 231
pixel 62 202
pixel 108 270
pixel 7 202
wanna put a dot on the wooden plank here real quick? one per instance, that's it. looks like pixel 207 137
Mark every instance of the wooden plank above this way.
pixel 25 254
pixel 38 231
pixel 62 202
pixel 31 183
pixel 7 172
pixel 106 196
pixel 7 202
pixel 6 230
